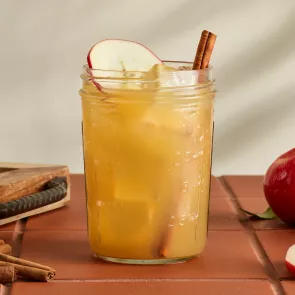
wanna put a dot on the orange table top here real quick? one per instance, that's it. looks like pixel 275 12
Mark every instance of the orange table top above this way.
pixel 242 257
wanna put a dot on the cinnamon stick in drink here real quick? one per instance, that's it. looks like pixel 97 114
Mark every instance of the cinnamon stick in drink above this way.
pixel 204 51
pixel 200 51
pixel 208 50
pixel 201 61
pixel 28 269
pixel 7 274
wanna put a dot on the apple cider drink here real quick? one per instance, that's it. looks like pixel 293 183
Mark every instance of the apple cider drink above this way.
pixel 147 136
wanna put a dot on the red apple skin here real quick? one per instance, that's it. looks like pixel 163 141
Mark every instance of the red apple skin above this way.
pixel 279 187
pixel 290 267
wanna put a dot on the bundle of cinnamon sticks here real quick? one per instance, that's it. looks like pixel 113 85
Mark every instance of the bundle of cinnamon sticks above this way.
pixel 5 248
pixel 11 268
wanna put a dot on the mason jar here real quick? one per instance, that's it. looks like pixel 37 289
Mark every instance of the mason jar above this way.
pixel 147 139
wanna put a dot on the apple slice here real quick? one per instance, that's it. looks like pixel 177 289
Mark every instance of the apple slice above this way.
pixel 121 55
pixel 290 259
pixel 115 58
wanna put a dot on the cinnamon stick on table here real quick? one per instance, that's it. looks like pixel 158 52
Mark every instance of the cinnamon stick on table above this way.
pixel 28 269
pixel 5 249
pixel 7 274
pixel 201 61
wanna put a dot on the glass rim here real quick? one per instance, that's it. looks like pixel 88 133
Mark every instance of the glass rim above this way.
pixel 184 63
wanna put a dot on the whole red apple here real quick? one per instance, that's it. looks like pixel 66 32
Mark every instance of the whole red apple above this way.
pixel 279 187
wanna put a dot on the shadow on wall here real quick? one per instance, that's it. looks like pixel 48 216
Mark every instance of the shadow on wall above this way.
pixel 259 119
pixel 195 14
pixel 262 118
pixel 266 54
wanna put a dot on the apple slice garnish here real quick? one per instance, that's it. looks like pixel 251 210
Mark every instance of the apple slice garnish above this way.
pixel 120 56
pixel 290 260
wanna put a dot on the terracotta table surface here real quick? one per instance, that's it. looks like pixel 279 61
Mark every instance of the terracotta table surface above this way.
pixel 242 257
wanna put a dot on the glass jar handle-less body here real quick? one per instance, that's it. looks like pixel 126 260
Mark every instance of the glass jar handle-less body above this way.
pixel 147 141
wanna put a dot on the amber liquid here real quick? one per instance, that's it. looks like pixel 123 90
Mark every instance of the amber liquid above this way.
pixel 147 167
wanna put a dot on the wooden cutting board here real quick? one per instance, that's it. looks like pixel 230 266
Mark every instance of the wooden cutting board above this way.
pixel 30 189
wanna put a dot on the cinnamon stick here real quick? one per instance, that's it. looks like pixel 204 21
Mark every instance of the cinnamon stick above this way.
pixel 5 249
pixel 208 50
pixel 200 51
pixel 12 259
pixel 7 274
pixel 204 51
pixel 32 273
pixel 201 61
pixel 28 269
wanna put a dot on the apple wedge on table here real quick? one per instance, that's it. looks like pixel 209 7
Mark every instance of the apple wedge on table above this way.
pixel 290 260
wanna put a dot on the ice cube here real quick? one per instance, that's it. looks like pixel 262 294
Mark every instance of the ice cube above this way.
pixel 165 76
pixel 158 76
pixel 169 121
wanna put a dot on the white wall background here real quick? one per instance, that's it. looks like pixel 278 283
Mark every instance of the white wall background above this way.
pixel 44 44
